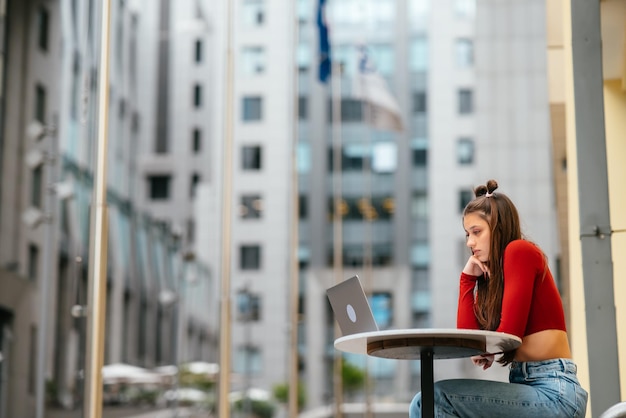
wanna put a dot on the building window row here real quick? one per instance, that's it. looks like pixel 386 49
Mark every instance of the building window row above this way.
pixel 250 257
pixel 383 157
pixel 43 24
pixel 252 60
pixel 251 157
pixel 159 186
pixel 466 101
pixel 354 255
pixel 251 206
pixel 359 208
pixel 253 13
pixel 252 108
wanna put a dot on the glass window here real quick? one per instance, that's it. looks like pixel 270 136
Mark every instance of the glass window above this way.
pixel 464 51
pixel 159 186
pixel 33 261
pixel 193 184
pixel 355 12
pixel 381 11
pixel 40 103
pixel 421 301
pixel 419 102
pixel 465 151
pixel 253 12
pixel 198 51
pixel 252 108
pixel 384 157
pixel 75 86
pixel 250 257
pixel 382 309
pixel 383 58
pixel 419 152
pixel 248 360
pixel 303 55
pixel 466 101
pixel 196 140
pixel 191 230
pixel 251 157
pixel 304 157
pixel 418 9
pixel 359 208
pixel 418 54
pixel 248 306
pixel 303 10
pixel 465 8
pixel 197 96
pixel 346 12
pixel 419 206
pixel 43 22
pixel 353 255
pixel 252 60
pixel 251 206
pixel 303 107
pixel 465 196
pixel 303 206
pixel 352 156
pixel 346 56
pixel 304 259
pixel 420 254
pixel 351 110
pixel 36 186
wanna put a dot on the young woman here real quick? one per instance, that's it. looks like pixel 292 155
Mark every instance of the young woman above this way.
pixel 506 286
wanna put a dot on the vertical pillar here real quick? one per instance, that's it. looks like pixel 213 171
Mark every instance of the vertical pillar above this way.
pixel 595 226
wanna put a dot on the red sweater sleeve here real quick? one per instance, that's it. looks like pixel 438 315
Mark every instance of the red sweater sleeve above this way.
pixel 465 317
pixel 522 260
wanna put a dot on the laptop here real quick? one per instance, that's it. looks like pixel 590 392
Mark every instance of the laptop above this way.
pixel 351 308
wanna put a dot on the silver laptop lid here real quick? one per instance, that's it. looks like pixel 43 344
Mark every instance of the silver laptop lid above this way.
pixel 351 308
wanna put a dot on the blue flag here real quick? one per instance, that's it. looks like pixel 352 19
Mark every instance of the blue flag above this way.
pixel 324 43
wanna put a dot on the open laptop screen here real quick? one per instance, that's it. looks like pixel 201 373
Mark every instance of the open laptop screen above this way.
pixel 351 308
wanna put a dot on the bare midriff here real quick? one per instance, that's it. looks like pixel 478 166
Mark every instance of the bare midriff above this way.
pixel 544 345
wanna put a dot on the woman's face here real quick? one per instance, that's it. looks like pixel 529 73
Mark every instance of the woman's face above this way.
pixel 478 235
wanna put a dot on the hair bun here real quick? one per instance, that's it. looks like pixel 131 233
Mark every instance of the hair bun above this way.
pixel 487 189
pixel 480 190
pixel 492 185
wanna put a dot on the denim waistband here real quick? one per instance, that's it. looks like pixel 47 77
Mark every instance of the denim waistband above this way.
pixel 558 364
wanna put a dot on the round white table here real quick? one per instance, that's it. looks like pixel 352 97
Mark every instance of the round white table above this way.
pixel 427 345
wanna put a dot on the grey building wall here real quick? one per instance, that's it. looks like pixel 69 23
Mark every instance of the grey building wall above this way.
pixel 22 249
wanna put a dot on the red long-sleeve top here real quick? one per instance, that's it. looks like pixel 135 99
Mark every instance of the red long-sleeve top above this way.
pixel 531 300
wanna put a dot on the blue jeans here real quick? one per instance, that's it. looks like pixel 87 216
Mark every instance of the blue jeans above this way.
pixel 537 389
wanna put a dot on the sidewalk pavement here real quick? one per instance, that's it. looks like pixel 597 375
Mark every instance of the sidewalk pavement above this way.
pixel 138 412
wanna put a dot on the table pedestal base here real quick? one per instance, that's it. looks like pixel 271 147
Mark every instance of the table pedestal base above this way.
pixel 427 379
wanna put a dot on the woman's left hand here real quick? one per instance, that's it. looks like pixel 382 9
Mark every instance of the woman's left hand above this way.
pixel 484 360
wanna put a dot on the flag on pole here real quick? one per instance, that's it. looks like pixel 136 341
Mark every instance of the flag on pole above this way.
pixel 381 108
pixel 324 43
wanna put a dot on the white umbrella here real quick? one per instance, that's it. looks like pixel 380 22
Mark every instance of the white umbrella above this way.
pixel 127 373
pixel 202 367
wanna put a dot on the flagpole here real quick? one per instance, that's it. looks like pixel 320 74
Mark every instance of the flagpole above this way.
pixel 335 77
pixel 96 314
pixel 225 302
pixel 367 244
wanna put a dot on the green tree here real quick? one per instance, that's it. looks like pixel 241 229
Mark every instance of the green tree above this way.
pixel 281 393
pixel 353 378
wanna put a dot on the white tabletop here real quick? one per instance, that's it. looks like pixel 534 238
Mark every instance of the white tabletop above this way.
pixel 442 343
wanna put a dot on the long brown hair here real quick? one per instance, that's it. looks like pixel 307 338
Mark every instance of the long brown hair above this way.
pixel 503 219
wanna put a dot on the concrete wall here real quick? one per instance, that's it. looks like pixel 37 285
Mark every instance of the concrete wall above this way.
pixel 559 53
